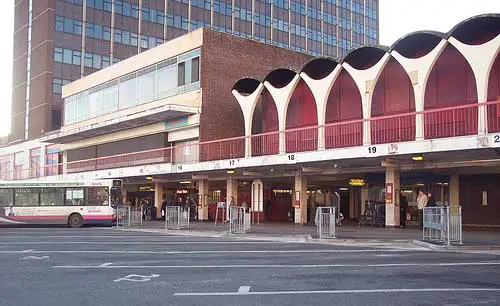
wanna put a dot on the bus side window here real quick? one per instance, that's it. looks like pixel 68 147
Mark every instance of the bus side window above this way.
pixel 52 197
pixel 75 196
pixel 6 197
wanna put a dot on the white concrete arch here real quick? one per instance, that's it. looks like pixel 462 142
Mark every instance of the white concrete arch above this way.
pixel 247 105
pixel 365 81
pixel 481 59
pixel 419 70
pixel 281 97
pixel 321 91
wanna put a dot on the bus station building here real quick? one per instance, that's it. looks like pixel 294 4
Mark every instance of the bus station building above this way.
pixel 216 118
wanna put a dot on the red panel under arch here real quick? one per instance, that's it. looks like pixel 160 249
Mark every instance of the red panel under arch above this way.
pixel 393 95
pixel 494 95
pixel 302 113
pixel 451 84
pixel 344 114
pixel 265 137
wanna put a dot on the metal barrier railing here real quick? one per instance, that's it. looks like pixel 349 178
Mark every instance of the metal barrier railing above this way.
pixel 125 217
pixel 443 224
pixel 177 217
pixel 239 220
pixel 325 222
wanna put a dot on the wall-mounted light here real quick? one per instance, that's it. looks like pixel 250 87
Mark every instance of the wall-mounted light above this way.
pixel 185 182
pixel 231 171
pixel 149 178
pixel 418 158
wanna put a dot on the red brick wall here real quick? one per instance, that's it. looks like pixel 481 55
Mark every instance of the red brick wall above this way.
pixel 225 59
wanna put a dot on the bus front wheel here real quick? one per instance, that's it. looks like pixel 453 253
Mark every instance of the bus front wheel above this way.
pixel 75 220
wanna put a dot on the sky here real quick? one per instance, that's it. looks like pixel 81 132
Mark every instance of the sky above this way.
pixel 397 18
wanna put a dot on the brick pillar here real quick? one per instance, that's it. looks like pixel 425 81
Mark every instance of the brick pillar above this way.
pixel 392 181
pixel 301 189
pixel 202 200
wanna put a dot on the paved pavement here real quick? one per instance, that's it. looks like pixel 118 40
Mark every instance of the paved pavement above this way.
pixel 103 266
pixel 472 237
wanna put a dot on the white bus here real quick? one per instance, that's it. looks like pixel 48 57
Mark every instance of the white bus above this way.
pixel 71 203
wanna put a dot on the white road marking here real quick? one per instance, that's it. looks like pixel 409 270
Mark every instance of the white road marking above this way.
pixel 137 278
pixel 303 266
pixel 136 242
pixel 208 251
pixel 27 251
pixel 106 264
pixel 35 257
pixel 366 291
pixel 243 289
pixel 88 236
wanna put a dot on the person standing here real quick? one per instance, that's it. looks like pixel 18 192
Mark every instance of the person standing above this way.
pixel 431 202
pixel 421 203
pixel 267 210
pixel 403 209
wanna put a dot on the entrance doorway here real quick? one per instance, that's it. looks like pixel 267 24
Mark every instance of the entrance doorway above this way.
pixel 279 207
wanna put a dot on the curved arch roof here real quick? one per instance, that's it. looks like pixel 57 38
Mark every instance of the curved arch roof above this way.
pixel 354 54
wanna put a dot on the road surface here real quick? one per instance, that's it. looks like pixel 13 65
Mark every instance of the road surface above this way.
pixel 103 266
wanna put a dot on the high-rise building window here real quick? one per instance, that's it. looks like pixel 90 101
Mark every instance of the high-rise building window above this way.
pixel 195 69
pixel 181 74
pixel 58 55
pixel 165 79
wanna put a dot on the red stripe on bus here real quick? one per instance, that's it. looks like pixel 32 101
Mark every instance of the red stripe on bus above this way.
pixel 91 217
pixel 98 217
pixel 21 218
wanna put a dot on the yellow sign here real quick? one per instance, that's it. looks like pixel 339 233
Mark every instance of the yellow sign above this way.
pixel 357 182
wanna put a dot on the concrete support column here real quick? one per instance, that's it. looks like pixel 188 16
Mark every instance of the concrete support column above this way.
pixel 158 198
pixel 124 196
pixel 454 190
pixel 202 200
pixel 65 162
pixel 231 191
pixel 392 186
pixel 300 199
pixel 43 161
pixel 367 137
pixel 482 122
pixel 282 142
pixel 321 137
pixel 248 146
pixel 419 103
